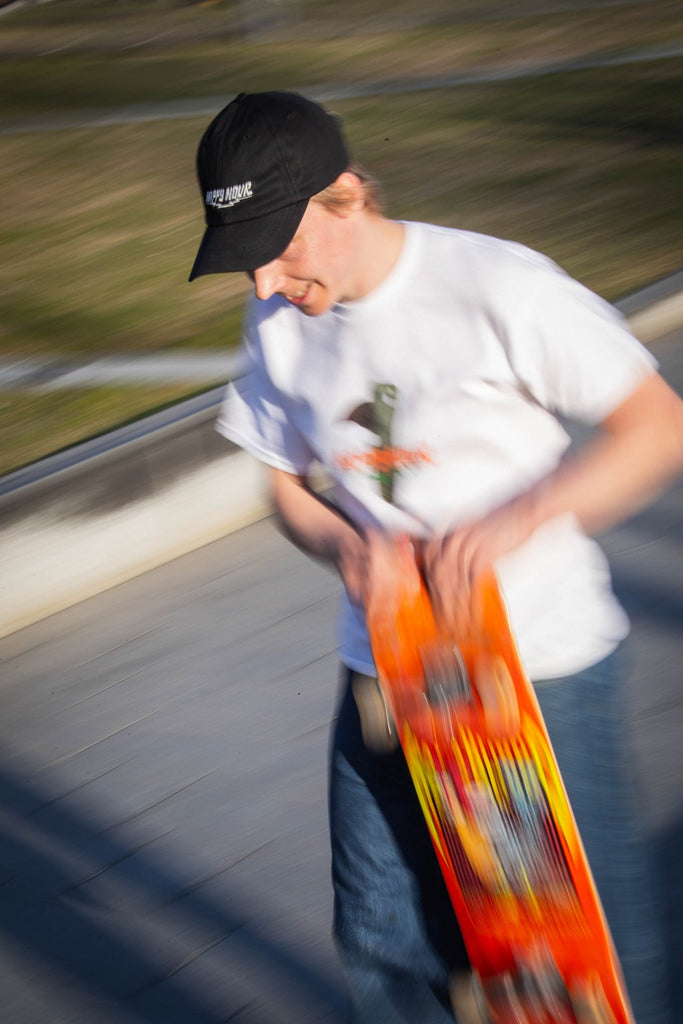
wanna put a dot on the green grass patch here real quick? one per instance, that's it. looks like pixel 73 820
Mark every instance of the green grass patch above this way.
pixel 50 422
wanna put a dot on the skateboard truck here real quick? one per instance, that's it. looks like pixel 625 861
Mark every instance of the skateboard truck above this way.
pixel 446 679
pixel 446 685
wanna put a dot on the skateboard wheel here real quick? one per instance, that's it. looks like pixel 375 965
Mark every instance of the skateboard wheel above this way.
pixel 467 999
pixel 590 1005
pixel 496 691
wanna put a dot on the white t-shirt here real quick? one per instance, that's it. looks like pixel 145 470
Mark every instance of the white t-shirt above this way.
pixel 434 399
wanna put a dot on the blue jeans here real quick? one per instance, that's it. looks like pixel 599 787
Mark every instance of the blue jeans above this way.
pixel 393 921
pixel 587 719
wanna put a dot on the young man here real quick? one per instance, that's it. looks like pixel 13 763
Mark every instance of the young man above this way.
pixel 426 369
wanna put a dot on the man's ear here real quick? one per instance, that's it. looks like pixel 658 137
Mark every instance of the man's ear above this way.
pixel 350 191
pixel 348 179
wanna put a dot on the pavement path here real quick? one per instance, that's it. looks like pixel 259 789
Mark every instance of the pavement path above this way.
pixel 163 834
pixel 163 850
pixel 207 106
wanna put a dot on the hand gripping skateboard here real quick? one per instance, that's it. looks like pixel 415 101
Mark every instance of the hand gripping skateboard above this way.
pixel 504 834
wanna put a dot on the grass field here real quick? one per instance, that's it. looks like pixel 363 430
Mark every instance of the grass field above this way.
pixel 100 224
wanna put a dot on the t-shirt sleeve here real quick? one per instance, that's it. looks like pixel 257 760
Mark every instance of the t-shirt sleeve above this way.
pixel 254 415
pixel 573 351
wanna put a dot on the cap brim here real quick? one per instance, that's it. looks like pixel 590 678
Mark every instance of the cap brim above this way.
pixel 248 244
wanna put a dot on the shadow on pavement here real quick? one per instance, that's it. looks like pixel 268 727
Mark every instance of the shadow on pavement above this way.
pixel 143 947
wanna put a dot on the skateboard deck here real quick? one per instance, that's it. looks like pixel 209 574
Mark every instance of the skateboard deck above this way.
pixel 504 833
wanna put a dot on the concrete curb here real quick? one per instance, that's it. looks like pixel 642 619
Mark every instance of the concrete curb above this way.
pixel 85 520
pixel 50 562
pixel 97 515
pixel 655 310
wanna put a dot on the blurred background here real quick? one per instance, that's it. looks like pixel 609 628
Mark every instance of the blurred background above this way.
pixel 557 124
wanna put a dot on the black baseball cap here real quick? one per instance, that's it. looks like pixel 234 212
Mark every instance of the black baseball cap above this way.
pixel 258 164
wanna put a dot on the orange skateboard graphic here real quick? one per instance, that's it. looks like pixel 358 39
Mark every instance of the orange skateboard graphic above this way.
pixel 504 833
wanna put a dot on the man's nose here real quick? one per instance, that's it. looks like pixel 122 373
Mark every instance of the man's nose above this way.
pixel 267 280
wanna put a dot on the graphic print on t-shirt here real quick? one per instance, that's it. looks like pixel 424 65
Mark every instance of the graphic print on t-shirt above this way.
pixel 386 460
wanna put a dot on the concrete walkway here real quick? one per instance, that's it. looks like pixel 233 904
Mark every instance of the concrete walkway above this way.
pixel 207 106
pixel 163 840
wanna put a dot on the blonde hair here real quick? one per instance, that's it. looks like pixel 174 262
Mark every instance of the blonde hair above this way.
pixel 337 197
